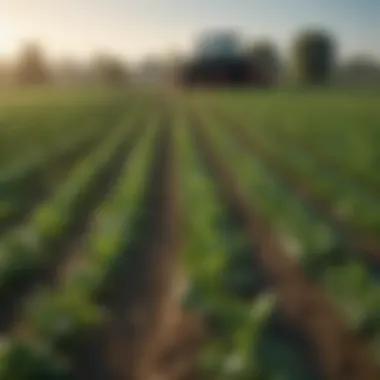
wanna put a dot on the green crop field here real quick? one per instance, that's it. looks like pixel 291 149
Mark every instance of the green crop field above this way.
pixel 160 234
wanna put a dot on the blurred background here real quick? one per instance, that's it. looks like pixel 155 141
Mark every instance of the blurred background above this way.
pixel 267 43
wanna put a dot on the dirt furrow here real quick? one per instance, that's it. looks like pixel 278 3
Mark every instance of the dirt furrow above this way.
pixel 340 354
pixel 139 293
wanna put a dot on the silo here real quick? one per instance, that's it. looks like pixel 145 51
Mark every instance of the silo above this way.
pixel 218 60
pixel 218 44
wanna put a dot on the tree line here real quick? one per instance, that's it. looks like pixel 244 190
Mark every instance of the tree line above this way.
pixel 31 67
pixel 314 60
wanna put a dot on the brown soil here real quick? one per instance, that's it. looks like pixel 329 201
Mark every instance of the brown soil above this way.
pixel 341 355
pixel 147 336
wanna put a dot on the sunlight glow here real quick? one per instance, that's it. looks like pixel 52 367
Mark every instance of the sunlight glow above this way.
pixel 6 41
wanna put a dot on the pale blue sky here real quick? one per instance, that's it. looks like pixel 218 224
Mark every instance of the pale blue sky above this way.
pixel 134 28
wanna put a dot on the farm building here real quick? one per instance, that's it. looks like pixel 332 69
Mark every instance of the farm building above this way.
pixel 220 60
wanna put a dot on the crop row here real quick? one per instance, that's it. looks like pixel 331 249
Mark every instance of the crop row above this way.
pixel 57 321
pixel 313 242
pixel 265 269
pixel 33 177
pixel 223 280
pixel 339 133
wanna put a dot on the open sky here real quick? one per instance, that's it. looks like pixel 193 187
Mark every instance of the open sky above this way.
pixel 134 28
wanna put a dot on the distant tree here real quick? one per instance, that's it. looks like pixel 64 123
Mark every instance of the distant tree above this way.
pixel 172 67
pixel 266 59
pixel 359 70
pixel 110 70
pixel 31 67
pixel 152 69
pixel 3 72
pixel 69 71
pixel 314 53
